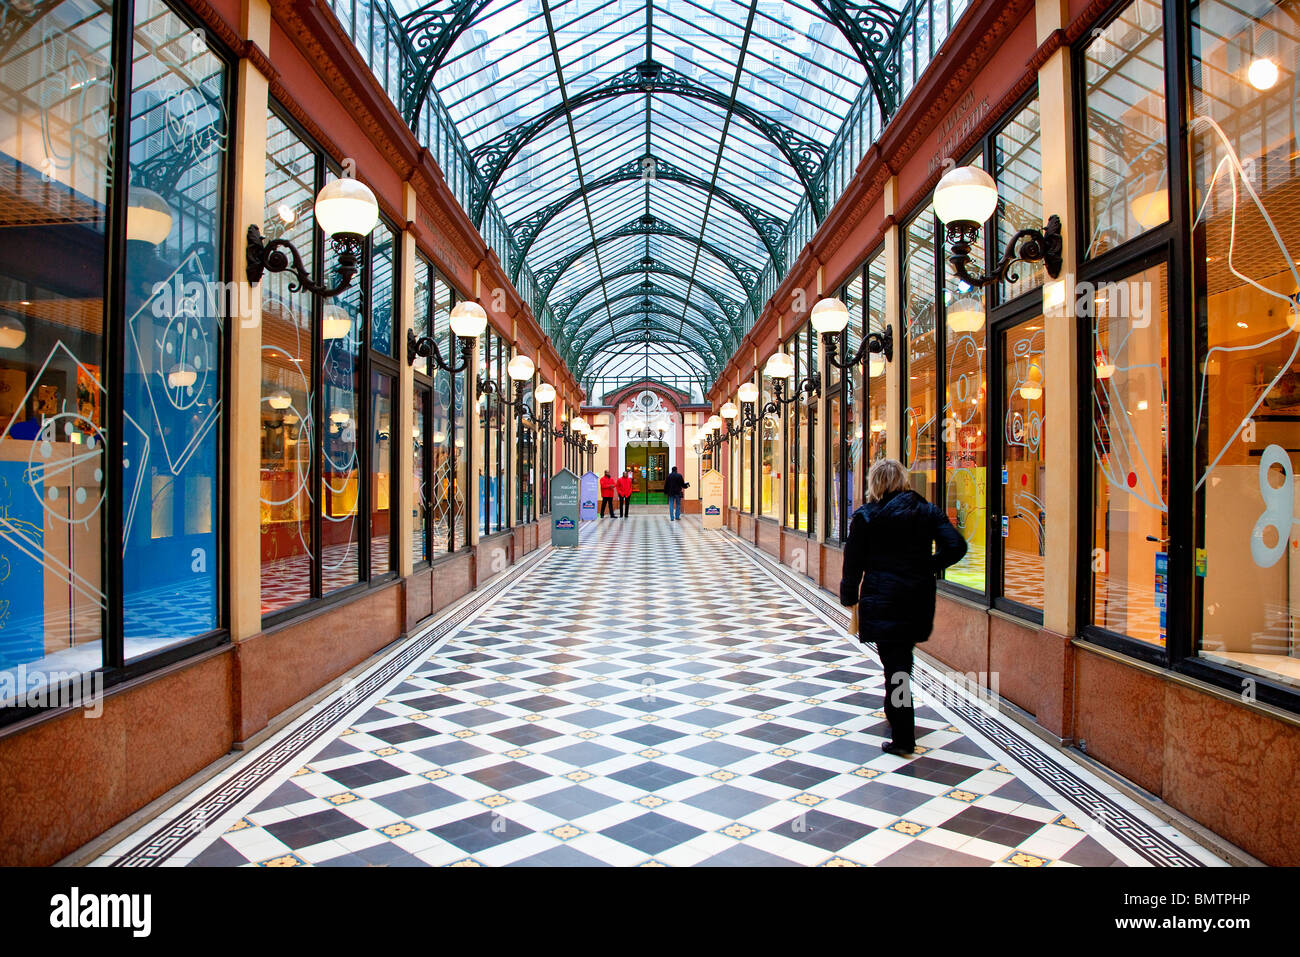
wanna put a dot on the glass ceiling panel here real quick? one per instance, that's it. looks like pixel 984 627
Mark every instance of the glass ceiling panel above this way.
pixel 734 104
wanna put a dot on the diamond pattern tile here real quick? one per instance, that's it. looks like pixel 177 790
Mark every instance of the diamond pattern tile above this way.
pixel 578 718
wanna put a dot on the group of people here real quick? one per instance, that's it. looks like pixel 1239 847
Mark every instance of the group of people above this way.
pixel 610 487
pixel 675 486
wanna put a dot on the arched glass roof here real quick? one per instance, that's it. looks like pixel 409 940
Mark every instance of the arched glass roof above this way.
pixel 649 156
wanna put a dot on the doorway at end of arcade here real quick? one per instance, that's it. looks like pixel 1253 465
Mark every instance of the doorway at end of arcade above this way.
pixel 649 464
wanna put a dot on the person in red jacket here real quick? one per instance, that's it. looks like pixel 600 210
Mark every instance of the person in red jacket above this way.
pixel 607 487
pixel 624 486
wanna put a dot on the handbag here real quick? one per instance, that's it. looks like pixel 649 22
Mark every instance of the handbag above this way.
pixel 853 620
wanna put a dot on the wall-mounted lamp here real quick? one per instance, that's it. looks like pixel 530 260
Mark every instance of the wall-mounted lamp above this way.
pixel 780 368
pixel 830 317
pixel 346 210
pixel 964 200
pixel 520 369
pixel 468 320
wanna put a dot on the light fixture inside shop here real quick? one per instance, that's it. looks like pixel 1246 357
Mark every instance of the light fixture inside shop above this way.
pixel 1105 368
pixel 966 315
pixel 182 375
pixel 1032 388
pixel 1151 208
pixel 1262 73
pixel 340 416
pixel 279 400
pixel 148 217
pixel 346 210
pixel 964 200
pixel 12 333
pixel 336 323
pixel 829 316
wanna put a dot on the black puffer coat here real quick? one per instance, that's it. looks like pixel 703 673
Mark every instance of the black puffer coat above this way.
pixel 890 567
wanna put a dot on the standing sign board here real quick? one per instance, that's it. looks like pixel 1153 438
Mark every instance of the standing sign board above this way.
pixel 564 509
pixel 711 498
pixel 590 496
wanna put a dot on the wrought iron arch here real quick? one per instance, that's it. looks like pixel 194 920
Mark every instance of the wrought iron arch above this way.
pixel 804 155
pixel 730 307
pixel 710 364
pixel 746 275
pixel 706 337
pixel 717 324
pixel 873 30
pixel 768 227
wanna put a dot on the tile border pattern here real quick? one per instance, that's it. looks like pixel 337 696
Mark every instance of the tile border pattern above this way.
pixel 1136 834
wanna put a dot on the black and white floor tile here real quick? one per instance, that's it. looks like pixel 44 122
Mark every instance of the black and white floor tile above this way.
pixel 661 695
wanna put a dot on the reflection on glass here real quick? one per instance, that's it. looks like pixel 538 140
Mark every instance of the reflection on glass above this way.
pixel 1244 150
pixel 171 479
pixel 1024 464
pixel 340 466
pixel 919 419
pixel 288 381
pixel 1130 372
pixel 1018 171
pixel 381 467
pixel 871 428
pixel 419 491
pixel 383 291
pixel 51 346
pixel 770 429
pixel 965 426
pixel 1124 78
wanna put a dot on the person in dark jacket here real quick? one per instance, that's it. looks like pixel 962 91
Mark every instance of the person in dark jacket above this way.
pixel 898 543
pixel 675 486
pixel 607 486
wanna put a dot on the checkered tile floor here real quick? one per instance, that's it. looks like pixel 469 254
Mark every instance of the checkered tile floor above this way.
pixel 656 696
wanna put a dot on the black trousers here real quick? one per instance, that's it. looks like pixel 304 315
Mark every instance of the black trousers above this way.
pixel 607 501
pixel 623 505
pixel 896 658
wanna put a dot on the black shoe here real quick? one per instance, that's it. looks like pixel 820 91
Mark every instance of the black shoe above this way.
pixel 889 747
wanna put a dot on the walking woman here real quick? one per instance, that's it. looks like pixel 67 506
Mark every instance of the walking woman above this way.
pixel 898 542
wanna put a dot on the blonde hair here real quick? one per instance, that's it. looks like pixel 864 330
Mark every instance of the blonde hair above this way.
pixel 887 475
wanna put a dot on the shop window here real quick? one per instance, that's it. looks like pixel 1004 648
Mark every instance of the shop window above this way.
pixel 381 472
pixel 421 509
pixel 769 471
pixel 920 423
pixel 57 619
pixel 340 472
pixel 870 427
pixel 1244 147
pixel 443 432
pixel 492 463
pixel 1024 463
pixel 172 429
pixel 1129 425
pixel 525 461
pixel 288 378
pixel 1124 102
pixel 964 424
